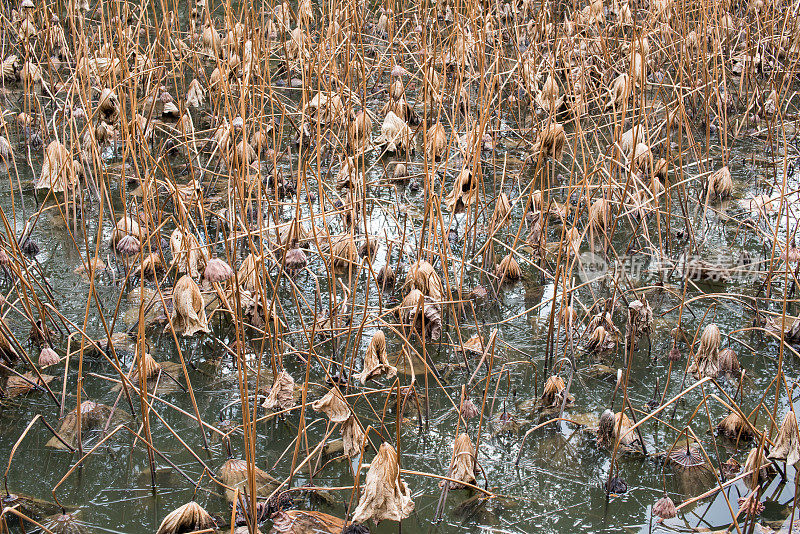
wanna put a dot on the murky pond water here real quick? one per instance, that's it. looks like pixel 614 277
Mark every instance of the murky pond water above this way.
pixel 559 483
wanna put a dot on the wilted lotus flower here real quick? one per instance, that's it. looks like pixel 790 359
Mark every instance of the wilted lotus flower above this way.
pixel 281 396
pixel 189 315
pixel 187 518
pixel 385 495
pixel 665 508
pixel 463 467
pixel 333 405
pixel 375 360
pixel 30 248
pixel 787 447
pixel 217 270
pixel 750 505
pixel 730 468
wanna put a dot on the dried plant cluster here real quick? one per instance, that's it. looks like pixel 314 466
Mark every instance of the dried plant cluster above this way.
pixel 336 208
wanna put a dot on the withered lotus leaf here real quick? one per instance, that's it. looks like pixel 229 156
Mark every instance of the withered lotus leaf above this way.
pixel 463 465
pixel 93 415
pixel 281 395
pixel 787 446
pixel 376 362
pixel 306 522
pixel 189 315
pixel 352 436
pixel 187 518
pixel 233 474
pixel 385 495
pixel 421 275
pixel 20 385
pixel 333 405
pixel 65 523
pixel 706 361
pixel 187 253
pixel 421 313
